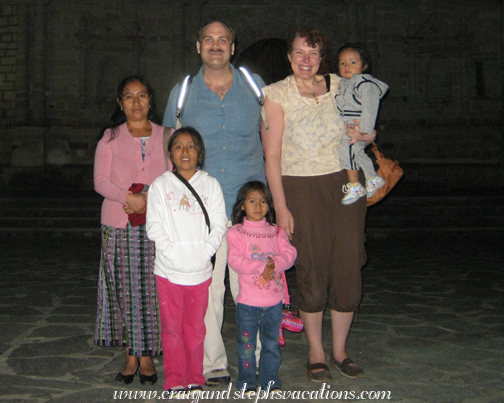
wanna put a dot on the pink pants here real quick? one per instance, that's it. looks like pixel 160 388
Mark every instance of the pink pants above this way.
pixel 182 310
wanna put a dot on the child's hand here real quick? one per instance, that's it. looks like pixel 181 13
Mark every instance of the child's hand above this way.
pixel 269 271
pixel 356 135
pixel 127 209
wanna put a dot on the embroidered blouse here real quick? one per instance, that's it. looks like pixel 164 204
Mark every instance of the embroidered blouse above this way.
pixel 313 130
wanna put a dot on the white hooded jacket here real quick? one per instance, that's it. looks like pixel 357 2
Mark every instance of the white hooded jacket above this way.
pixel 176 223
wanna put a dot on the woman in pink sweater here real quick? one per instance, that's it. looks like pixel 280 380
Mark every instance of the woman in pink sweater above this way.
pixel 130 151
pixel 259 251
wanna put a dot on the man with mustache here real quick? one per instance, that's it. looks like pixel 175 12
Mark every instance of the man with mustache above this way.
pixel 223 109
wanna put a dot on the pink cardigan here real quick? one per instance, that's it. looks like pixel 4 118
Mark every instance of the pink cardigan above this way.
pixel 249 246
pixel 118 164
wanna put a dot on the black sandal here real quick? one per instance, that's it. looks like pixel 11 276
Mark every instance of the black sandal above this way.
pixel 348 367
pixel 318 376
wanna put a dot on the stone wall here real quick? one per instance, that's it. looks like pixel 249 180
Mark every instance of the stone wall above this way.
pixel 61 60
pixel 9 63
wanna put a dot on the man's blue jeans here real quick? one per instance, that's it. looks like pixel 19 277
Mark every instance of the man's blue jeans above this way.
pixel 267 320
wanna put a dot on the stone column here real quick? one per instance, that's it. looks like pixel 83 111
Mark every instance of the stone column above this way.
pixel 36 51
pixel 502 44
pixel 21 85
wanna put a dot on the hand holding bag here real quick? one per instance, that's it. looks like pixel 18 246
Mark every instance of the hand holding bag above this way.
pixel 290 321
pixel 137 218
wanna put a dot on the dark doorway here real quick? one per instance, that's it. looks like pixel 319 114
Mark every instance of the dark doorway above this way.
pixel 268 58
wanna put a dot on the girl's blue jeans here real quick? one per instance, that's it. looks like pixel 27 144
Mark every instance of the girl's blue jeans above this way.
pixel 266 320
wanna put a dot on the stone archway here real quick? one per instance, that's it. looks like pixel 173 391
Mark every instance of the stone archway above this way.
pixel 268 58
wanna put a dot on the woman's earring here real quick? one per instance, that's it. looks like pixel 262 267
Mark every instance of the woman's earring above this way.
pixel 242 207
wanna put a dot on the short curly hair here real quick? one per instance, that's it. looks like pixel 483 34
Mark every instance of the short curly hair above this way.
pixel 313 38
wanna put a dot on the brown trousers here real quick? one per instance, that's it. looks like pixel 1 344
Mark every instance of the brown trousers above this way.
pixel 329 238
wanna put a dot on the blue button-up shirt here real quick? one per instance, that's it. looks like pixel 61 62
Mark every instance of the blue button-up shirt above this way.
pixel 230 128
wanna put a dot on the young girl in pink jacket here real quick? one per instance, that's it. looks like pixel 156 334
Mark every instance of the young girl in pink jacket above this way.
pixel 259 251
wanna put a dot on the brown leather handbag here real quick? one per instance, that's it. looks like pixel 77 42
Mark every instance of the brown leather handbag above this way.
pixel 388 170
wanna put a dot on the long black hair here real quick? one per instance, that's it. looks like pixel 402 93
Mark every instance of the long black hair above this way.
pixel 196 138
pixel 119 117
pixel 252 186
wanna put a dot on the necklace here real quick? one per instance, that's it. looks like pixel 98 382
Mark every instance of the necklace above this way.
pixel 315 82
pixel 304 90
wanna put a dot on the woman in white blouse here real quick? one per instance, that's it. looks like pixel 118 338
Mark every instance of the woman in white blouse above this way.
pixel 305 177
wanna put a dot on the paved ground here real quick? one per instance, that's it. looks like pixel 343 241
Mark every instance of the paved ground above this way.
pixel 431 325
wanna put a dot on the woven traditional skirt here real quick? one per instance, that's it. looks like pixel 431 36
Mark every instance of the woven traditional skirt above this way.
pixel 128 310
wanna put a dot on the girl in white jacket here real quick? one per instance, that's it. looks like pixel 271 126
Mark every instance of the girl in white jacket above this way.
pixel 184 247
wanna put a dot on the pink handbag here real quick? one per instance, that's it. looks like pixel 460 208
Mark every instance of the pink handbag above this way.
pixel 290 321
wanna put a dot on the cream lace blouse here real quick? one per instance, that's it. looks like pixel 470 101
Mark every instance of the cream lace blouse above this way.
pixel 313 130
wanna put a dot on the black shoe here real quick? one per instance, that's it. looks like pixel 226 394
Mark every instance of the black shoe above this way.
pixel 125 378
pixel 152 379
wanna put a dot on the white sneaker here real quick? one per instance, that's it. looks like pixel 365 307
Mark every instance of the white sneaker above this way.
pixel 178 392
pixel 353 193
pixel 193 391
pixel 372 185
pixel 217 377
pixel 250 393
pixel 275 393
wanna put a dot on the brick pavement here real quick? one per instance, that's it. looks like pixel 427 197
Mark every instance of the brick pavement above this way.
pixel 430 327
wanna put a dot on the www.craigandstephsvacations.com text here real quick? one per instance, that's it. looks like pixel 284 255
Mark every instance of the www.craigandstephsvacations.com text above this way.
pixel 324 393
